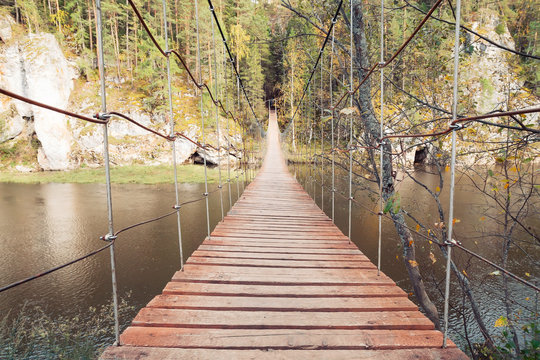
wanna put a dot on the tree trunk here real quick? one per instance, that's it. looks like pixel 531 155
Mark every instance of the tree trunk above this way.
pixel 371 125
pixel 90 33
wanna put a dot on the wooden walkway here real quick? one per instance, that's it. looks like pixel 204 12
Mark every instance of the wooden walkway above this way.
pixel 277 280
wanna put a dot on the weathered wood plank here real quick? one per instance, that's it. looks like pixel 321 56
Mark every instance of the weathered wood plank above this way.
pixel 155 353
pixel 282 339
pixel 329 304
pixel 276 290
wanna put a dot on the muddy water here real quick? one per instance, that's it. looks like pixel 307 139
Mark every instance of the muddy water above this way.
pixel 45 225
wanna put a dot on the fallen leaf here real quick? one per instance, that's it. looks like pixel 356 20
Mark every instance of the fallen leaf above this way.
pixel 455 221
pixel 411 242
pixel 413 263
pixel 527 274
pixel 527 298
pixel 464 273
pixel 496 273
pixel 500 322
pixel 438 189
pixel 417 227
pixel 432 257
pixel 447 168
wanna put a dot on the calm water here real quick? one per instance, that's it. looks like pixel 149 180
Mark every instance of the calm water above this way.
pixel 45 225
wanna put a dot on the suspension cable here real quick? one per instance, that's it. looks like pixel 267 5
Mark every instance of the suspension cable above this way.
pixel 217 123
pixel 212 10
pixel 101 63
pixel 334 19
pixel 332 120
pixel 381 149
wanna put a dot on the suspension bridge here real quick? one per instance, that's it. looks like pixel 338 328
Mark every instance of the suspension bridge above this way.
pixel 277 279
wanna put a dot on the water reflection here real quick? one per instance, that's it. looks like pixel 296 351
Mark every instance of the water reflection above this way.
pixel 45 225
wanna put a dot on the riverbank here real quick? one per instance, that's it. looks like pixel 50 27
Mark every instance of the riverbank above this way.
pixel 133 174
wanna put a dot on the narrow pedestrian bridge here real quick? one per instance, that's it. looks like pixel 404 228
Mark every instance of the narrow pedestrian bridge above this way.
pixel 278 280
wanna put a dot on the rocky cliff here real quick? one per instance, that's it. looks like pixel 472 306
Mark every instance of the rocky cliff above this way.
pixel 35 66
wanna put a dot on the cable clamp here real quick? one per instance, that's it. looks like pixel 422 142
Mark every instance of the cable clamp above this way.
pixel 456 126
pixel 334 20
pixel 452 242
pixel 351 198
pixel 176 207
pixel 380 213
pixel 212 8
pixel 220 186
pixel 102 116
pixel 228 180
pixel 168 52
pixel 382 63
pixel 109 237
pixel 205 194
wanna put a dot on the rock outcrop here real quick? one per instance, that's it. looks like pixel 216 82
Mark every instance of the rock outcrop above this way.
pixel 36 68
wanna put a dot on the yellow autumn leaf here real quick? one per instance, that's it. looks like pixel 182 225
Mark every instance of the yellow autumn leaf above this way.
pixel 430 242
pixel 464 273
pixel 527 274
pixel 455 221
pixel 447 168
pixel 500 322
pixel 527 298
pixel 483 218
pixel 417 227
pixel 428 231
pixel 438 189
pixel 432 257
pixel 506 185
pixel 413 263
pixel 438 155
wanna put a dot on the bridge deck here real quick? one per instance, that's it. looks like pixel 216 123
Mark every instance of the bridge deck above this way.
pixel 277 280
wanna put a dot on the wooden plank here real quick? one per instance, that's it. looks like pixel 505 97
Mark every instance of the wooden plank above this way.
pixel 233 319
pixel 151 353
pixel 280 256
pixel 277 250
pixel 305 291
pixel 328 304
pixel 282 339
pixel 281 263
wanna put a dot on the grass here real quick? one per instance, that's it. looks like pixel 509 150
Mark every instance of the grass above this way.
pixel 134 174
pixel 31 333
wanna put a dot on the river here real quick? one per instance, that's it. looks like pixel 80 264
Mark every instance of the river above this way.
pixel 45 225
